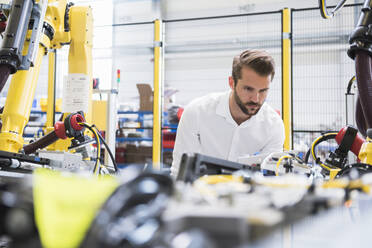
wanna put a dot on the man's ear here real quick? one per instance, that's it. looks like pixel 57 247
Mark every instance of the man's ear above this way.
pixel 231 82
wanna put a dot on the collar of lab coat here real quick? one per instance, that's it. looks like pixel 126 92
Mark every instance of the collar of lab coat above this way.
pixel 223 109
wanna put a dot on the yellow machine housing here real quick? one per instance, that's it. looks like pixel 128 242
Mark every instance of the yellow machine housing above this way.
pixel 365 153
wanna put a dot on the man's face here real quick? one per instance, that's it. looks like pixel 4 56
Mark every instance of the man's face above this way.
pixel 250 91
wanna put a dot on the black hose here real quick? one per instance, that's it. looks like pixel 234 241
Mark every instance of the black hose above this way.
pixel 4 75
pixel 97 140
pixel 351 81
pixel 363 67
pixel 306 159
pixel 108 149
pixel 359 118
pixel 44 141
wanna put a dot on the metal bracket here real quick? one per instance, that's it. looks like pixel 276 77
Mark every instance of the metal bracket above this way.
pixel 286 35
pixel 158 44
pixel 110 91
pixel 38 13
pixel 5 6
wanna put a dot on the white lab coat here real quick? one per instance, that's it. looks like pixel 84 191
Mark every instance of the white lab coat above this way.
pixel 207 127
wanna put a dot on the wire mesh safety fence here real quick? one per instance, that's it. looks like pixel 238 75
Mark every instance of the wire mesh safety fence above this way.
pixel 197 59
pixel 199 52
pixel 321 71
pixel 198 56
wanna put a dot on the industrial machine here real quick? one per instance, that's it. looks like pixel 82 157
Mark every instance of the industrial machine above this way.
pixel 149 209
pixel 32 30
pixel 51 212
pixel 361 51
pixel 146 208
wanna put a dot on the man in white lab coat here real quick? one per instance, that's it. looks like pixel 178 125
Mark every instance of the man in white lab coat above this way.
pixel 236 123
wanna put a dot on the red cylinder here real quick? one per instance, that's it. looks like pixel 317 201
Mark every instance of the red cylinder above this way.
pixel 59 128
pixel 75 120
pixel 358 141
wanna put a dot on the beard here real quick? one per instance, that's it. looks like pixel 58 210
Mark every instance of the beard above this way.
pixel 249 108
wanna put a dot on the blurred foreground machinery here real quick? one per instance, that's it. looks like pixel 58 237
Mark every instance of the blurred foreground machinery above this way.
pixel 149 209
pixel 47 210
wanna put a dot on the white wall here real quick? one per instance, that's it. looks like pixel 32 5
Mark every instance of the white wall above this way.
pixel 148 10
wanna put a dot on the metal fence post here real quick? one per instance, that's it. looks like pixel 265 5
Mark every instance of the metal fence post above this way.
pixel 157 114
pixel 287 77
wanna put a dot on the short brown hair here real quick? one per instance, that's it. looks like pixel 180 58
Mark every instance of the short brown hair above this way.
pixel 258 60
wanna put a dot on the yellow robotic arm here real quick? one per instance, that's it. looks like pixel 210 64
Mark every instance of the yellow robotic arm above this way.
pixel 34 28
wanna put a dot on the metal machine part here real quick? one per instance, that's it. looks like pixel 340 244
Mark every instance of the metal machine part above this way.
pixel 348 140
pixel 131 217
pixel 272 163
pixel 231 216
pixel 16 161
pixel 15 35
pixel 25 15
pixel 14 38
pixel 337 163
pixel 37 26
pixel 361 50
pixel 365 154
pixel 66 161
pixel 69 128
pixel 141 213
pixel 17 218
pixel 195 165
pixel 226 227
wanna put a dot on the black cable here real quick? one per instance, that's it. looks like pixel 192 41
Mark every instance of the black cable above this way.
pixel 307 155
pixel 351 81
pixel 323 137
pixel 339 5
pixel 361 168
pixel 97 140
pixel 323 8
pixel 108 149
